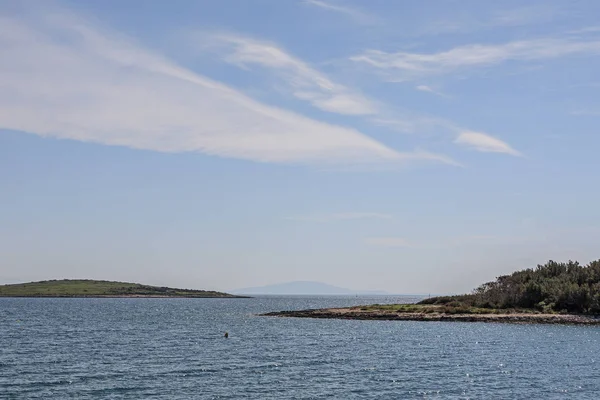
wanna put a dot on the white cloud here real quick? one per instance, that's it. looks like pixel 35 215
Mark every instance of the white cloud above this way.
pixel 485 143
pixel 308 84
pixel 388 242
pixel 405 65
pixel 429 89
pixel 303 81
pixel 340 216
pixel 425 88
pixel 586 30
pixel 357 15
pixel 61 78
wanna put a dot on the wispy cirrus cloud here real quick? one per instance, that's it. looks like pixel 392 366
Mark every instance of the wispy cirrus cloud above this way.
pixel 586 30
pixel 429 89
pixel 408 66
pixel 355 14
pixel 304 82
pixel 340 216
pixel 484 143
pixel 62 77
pixel 307 83
pixel 478 141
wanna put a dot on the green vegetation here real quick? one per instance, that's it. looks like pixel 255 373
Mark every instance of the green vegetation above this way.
pixel 554 293
pixel 550 288
pixel 438 308
pixel 93 288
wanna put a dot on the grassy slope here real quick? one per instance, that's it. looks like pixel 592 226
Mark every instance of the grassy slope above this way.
pixel 91 288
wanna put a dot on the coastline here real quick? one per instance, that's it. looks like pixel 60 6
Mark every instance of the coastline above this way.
pixel 385 315
pixel 123 296
pixel 90 288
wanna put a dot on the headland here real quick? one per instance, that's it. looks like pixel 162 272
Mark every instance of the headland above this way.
pixel 99 288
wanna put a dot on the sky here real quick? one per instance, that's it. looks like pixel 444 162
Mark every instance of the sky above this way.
pixel 412 147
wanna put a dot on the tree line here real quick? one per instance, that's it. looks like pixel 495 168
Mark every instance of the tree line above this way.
pixel 552 287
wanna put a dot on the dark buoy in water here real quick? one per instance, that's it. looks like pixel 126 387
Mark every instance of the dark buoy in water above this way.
pixel 226 335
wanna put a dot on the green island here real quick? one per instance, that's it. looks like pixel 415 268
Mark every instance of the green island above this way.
pixel 96 288
pixel 559 293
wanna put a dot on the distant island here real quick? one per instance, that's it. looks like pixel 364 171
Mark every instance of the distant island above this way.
pixel 551 293
pixel 95 288
pixel 304 288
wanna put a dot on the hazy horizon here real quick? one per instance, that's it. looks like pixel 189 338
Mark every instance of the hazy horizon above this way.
pixel 404 147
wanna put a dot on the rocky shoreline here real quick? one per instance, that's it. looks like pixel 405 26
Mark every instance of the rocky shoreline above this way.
pixel 513 318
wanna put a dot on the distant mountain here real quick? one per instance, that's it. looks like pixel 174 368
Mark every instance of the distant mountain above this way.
pixel 303 287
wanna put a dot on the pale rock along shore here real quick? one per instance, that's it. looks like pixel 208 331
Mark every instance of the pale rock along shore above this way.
pixel 515 318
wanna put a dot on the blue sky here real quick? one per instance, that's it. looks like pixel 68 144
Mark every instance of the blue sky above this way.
pixel 413 147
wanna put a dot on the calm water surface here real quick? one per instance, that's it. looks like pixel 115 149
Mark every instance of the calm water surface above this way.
pixel 174 349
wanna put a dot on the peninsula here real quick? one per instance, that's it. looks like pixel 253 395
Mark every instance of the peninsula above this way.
pixel 553 293
pixel 95 288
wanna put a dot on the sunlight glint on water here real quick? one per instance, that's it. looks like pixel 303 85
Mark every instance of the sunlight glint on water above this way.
pixel 174 349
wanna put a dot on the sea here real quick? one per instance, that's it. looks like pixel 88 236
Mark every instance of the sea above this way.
pixel 149 348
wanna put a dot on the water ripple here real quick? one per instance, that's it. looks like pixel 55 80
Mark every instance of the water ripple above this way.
pixel 174 349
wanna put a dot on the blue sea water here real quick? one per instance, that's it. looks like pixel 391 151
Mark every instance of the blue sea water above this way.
pixel 175 349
